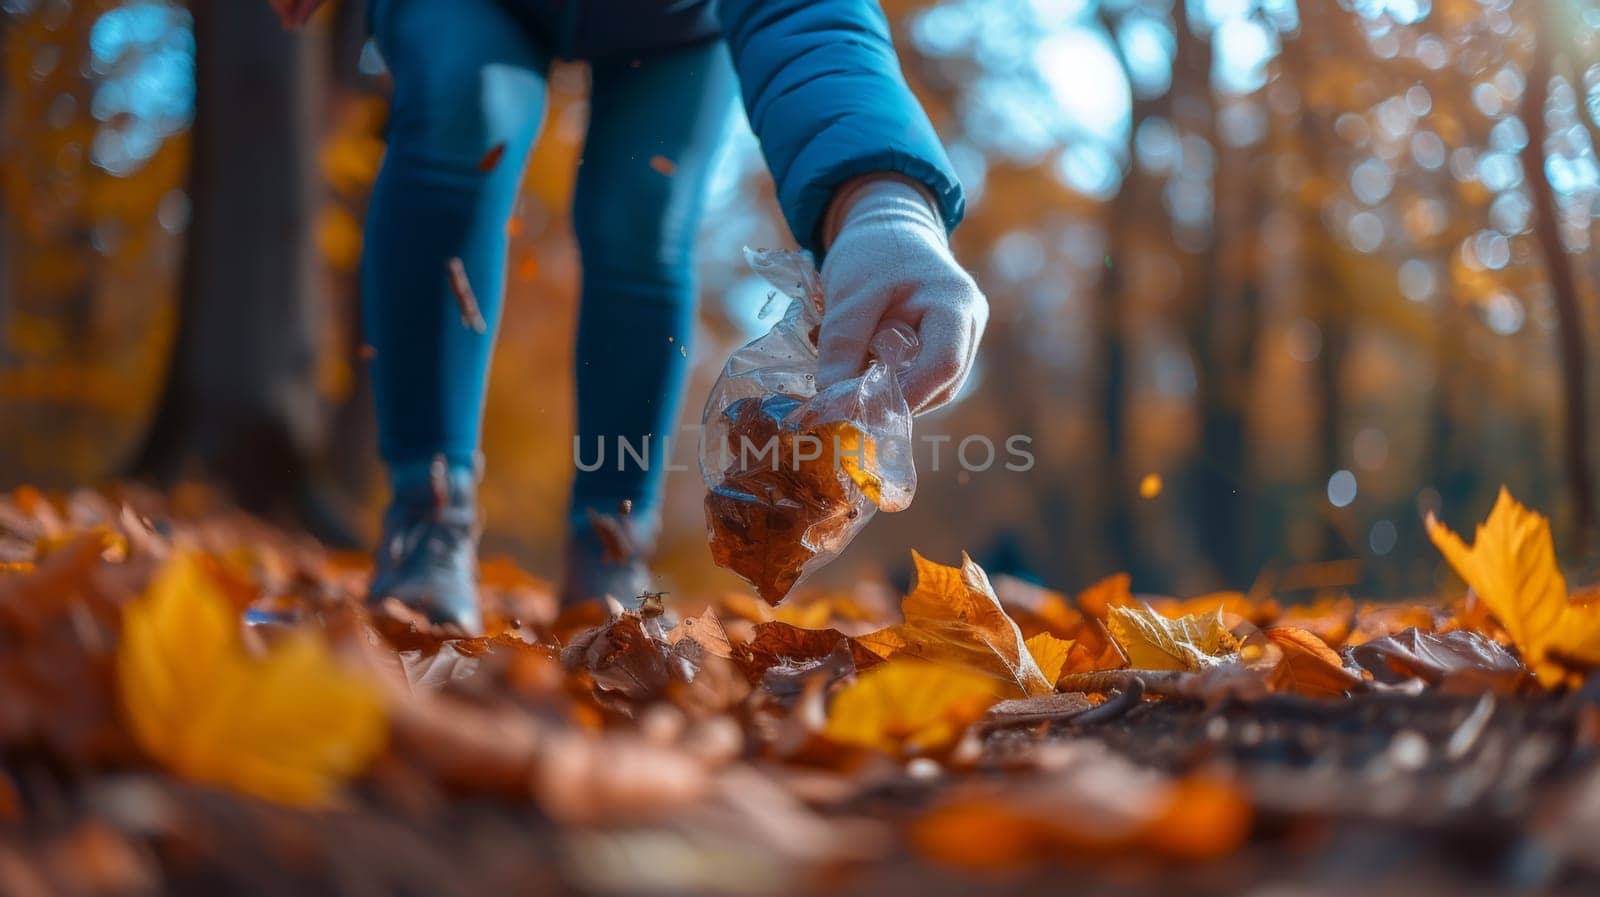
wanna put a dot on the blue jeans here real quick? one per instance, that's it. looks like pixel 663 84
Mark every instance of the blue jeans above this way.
pixel 470 75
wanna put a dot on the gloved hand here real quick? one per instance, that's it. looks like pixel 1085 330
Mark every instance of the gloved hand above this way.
pixel 888 259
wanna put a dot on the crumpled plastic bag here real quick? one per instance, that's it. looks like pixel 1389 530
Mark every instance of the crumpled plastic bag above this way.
pixel 795 474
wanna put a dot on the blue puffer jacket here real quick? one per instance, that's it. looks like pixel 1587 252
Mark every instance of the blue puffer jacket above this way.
pixel 821 84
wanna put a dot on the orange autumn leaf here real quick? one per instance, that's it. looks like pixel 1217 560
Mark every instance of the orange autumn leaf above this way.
pixel 1115 590
pixel 1511 565
pixel 1154 642
pixel 1195 818
pixel 909 707
pixel 1050 653
pixel 1330 617
pixel 1035 608
pixel 1232 605
pixel 1202 818
pixel 953 618
pixel 1308 666
pixel 290 726
pixel 1093 649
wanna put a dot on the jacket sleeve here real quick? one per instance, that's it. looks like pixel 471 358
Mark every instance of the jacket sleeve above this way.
pixel 824 92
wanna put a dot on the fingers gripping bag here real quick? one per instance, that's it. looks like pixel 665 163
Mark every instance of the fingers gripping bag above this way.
pixel 794 474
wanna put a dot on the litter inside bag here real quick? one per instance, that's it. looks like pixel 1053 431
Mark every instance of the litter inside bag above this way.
pixel 795 474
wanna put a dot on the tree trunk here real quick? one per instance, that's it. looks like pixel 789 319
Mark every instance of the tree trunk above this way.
pixel 1563 284
pixel 241 407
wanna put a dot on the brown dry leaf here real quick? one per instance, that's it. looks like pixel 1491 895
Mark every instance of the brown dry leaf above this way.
pixel 1461 661
pixel 706 631
pixel 624 657
pixel 1154 642
pixel 909 706
pixel 1512 566
pixel 290 726
pixel 1050 653
pixel 769 524
pixel 777 644
pixel 953 618
pixel 1308 666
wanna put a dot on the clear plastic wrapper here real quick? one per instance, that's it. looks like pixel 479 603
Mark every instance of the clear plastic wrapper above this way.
pixel 795 474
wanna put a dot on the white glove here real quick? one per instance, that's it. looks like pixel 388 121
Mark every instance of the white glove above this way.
pixel 888 259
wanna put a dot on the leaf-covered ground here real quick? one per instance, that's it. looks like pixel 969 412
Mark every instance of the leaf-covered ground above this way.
pixel 970 737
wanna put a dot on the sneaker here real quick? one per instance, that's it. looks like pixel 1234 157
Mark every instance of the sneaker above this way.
pixel 428 559
pixel 607 555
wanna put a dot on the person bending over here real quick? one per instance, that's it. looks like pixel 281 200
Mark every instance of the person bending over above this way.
pixel 862 179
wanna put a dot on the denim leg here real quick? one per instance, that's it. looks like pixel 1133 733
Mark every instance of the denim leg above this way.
pixel 657 125
pixel 467 77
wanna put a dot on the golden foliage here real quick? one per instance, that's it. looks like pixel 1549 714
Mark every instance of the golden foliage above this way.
pixel 1154 642
pixel 1050 653
pixel 953 618
pixel 909 706
pixel 290 726
pixel 1511 565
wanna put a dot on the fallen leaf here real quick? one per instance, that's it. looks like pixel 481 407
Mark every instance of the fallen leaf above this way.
pixel 624 657
pixel 1512 566
pixel 1090 803
pixel 1093 649
pixel 1113 591
pixel 1461 661
pixel 1154 642
pixel 1330 617
pixel 909 706
pixel 290 726
pixel 781 646
pixel 1035 608
pixel 1233 605
pixel 1050 653
pixel 1308 666
pixel 706 631
pixel 953 618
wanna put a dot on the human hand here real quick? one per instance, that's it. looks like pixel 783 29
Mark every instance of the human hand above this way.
pixel 295 13
pixel 888 259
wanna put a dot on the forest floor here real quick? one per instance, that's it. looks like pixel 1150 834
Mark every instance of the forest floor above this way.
pixel 150 743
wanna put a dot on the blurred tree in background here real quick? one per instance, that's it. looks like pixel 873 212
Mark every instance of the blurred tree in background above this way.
pixel 1270 278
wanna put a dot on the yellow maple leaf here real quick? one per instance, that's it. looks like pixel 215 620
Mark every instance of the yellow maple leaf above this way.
pixel 1050 653
pixel 1511 565
pixel 909 707
pixel 1154 642
pixel 288 727
pixel 953 618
